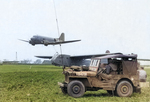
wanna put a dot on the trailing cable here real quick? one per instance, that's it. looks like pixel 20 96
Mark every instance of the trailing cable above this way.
pixel 57 28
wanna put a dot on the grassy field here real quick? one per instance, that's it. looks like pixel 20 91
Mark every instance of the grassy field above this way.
pixel 38 83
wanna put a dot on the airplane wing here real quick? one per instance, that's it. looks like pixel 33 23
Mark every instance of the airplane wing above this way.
pixel 90 56
pixel 45 57
pixel 143 59
pixel 80 57
pixel 62 42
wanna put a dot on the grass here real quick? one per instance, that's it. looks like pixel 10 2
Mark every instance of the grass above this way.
pixel 38 83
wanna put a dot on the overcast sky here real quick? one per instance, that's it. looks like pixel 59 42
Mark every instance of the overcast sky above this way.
pixel 115 25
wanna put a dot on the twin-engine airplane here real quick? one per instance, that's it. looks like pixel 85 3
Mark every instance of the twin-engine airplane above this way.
pixel 48 41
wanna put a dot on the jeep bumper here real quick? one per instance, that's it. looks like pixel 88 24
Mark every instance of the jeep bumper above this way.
pixel 62 84
pixel 138 89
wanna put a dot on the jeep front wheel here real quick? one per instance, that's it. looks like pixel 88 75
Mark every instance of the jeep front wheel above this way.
pixel 124 89
pixel 76 89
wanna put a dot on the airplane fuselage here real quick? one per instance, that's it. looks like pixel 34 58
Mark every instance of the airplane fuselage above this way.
pixel 66 60
pixel 41 40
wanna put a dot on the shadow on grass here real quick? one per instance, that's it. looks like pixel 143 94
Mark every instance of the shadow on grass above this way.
pixel 54 68
pixel 98 95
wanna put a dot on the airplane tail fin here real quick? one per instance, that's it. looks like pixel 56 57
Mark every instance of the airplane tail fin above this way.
pixel 62 37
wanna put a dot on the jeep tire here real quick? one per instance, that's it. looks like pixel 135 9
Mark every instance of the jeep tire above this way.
pixel 76 89
pixel 124 89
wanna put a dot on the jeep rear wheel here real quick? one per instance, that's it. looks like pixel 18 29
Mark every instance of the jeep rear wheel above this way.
pixel 76 89
pixel 124 89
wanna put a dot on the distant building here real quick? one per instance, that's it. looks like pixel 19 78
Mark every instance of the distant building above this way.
pixel 10 62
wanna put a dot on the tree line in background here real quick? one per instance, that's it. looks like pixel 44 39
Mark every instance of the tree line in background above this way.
pixel 26 61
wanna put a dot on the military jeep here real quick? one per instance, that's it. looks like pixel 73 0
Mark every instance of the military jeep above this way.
pixel 115 73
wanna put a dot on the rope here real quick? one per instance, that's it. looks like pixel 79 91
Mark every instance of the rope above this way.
pixel 55 49
pixel 56 18
pixel 57 28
